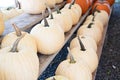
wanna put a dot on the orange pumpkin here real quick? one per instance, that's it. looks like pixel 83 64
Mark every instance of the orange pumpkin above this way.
pixel 102 5
pixel 83 3
pixel 111 2
pixel 90 2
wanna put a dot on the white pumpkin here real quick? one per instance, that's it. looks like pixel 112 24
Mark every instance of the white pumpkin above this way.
pixel 88 42
pixel 51 3
pixel 59 1
pixel 18 63
pixel 26 42
pixel 33 6
pixel 1 23
pixel 57 77
pixel 49 38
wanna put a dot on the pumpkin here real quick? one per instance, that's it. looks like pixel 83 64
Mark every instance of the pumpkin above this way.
pixel 1 23
pixel 75 11
pixel 111 2
pixel 34 6
pixel 57 77
pixel 83 3
pixel 88 55
pixel 74 70
pixel 27 41
pixel 96 22
pixel 49 37
pixel 102 16
pixel 51 3
pixel 90 30
pixel 59 1
pixel 87 41
pixel 90 2
pixel 18 63
pixel 102 5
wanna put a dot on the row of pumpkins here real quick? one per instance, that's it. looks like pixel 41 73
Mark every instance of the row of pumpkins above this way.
pixel 19 48
pixel 82 59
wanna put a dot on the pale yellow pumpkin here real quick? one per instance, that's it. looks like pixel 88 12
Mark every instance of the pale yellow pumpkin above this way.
pixel 51 3
pixel 33 6
pixel 18 63
pixel 59 1
pixel 98 23
pixel 49 38
pixel 90 30
pixel 26 42
pixel 88 42
pixel 88 55
pixel 74 70
pixel 57 77
pixel 2 26
pixel 75 11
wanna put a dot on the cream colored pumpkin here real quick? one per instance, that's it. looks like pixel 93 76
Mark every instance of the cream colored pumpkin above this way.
pixel 75 12
pixel 19 64
pixel 51 3
pixel 88 42
pixel 102 16
pixel 26 42
pixel 74 70
pixel 1 23
pixel 90 30
pixel 96 22
pixel 33 6
pixel 57 77
pixel 59 1
pixel 49 38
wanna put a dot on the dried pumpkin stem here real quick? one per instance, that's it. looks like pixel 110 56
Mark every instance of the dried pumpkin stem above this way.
pixel 17 30
pixel 81 44
pixel 72 3
pixel 94 10
pixel 50 12
pixel 72 60
pixel 93 19
pixel 45 20
pixel 90 25
pixel 15 45
pixel 57 9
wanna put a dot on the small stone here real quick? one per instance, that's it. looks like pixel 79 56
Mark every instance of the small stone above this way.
pixel 114 67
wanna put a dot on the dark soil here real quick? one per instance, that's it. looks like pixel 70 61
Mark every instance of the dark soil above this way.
pixel 109 65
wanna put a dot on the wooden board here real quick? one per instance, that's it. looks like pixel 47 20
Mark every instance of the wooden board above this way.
pixel 45 60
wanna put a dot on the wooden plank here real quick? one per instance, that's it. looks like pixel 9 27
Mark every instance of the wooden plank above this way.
pixel 101 44
pixel 45 60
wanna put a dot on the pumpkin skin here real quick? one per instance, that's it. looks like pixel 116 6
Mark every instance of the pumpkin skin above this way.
pixel 34 6
pixel 51 3
pixel 83 3
pixel 75 11
pixel 90 31
pixel 59 1
pixel 1 23
pixel 23 64
pixel 102 5
pixel 49 38
pixel 90 2
pixel 96 22
pixel 57 77
pixel 89 56
pixel 87 41
pixel 74 71
pixel 111 2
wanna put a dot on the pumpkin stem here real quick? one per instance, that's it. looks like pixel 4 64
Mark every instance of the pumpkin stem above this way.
pixel 89 26
pixel 93 19
pixel 50 12
pixel 72 60
pixel 94 10
pixel 15 45
pixel 81 44
pixel 57 9
pixel 72 3
pixel 45 20
pixel 17 30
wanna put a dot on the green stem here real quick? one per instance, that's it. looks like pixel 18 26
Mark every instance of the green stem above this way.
pixel 72 3
pixel 50 12
pixel 72 60
pixel 17 30
pixel 81 44
pixel 15 45
pixel 57 9
pixel 89 26
pixel 93 19
pixel 45 20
